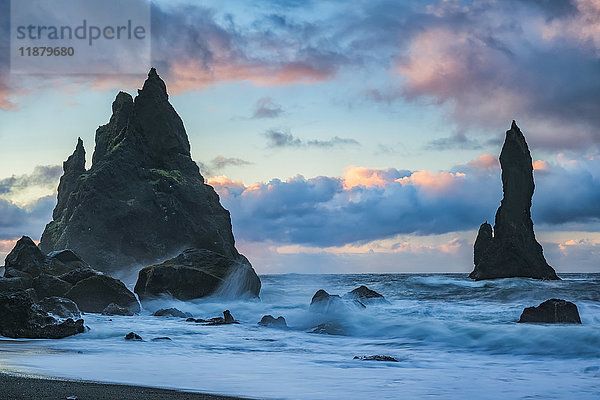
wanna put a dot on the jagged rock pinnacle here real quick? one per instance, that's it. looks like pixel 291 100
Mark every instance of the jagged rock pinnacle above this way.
pixel 154 86
pixel 143 200
pixel 512 250
pixel 73 168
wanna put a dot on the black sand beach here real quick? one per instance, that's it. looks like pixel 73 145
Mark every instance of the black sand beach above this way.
pixel 16 387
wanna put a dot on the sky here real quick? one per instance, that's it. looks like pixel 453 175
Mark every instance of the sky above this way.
pixel 345 136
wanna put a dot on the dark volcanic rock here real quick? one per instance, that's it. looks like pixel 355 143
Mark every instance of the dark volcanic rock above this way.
pixel 197 273
pixel 47 286
pixel 226 319
pixel 512 251
pixel 60 307
pixel 269 320
pixel 171 312
pixel 63 262
pixel 79 274
pixel 143 200
pixel 133 336
pixel 325 302
pixel 553 311
pixel 25 257
pixel 329 328
pixel 376 358
pixel 364 295
pixel 95 293
pixel 115 309
pixel 21 317
pixel 8 285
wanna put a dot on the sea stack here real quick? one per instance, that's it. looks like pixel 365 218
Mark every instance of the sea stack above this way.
pixel 512 251
pixel 143 200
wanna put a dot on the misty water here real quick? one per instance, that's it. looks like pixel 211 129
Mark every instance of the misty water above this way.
pixel 452 337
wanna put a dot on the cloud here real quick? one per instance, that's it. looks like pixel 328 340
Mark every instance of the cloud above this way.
pixel 29 220
pixel 487 67
pixel 370 177
pixel 266 108
pixel 369 204
pixel 457 141
pixel 483 62
pixel 280 138
pixel 25 189
pixel 43 175
pixel 27 201
pixel 219 163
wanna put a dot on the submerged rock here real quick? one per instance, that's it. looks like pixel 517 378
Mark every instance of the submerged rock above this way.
pixel 171 312
pixel 226 319
pixel 115 309
pixel 22 317
pixel 133 336
pixel 270 321
pixel 144 200
pixel 327 303
pixel 198 273
pixel 512 251
pixel 553 311
pixel 329 328
pixel 95 293
pixel 158 339
pixel 376 358
pixel 365 295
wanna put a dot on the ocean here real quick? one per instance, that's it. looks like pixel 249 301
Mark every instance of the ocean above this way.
pixel 453 338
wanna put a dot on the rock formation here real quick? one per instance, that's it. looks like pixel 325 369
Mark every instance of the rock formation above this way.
pixel 172 312
pixel 512 251
pixel 63 274
pixel 553 311
pixel 97 292
pixel 270 321
pixel 197 273
pixel 143 200
pixel 324 302
pixel 21 316
pixel 365 295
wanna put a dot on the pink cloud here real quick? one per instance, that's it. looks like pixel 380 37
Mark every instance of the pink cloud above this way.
pixel 485 161
pixel 368 177
pixel 582 26
pixel 440 182
pixel 193 75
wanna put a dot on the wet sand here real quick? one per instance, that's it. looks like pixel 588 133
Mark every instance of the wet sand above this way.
pixel 20 387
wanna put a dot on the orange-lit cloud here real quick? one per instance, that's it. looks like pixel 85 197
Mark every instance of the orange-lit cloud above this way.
pixel 225 186
pixel 485 161
pixel 368 177
pixel 193 75
pixel 540 165
pixel 428 180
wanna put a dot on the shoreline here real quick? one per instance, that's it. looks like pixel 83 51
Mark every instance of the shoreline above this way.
pixel 16 386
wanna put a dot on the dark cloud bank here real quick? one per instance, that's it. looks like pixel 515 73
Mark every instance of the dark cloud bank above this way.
pixel 322 212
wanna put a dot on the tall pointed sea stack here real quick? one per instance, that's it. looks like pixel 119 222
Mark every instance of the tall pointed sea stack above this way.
pixel 143 200
pixel 513 250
